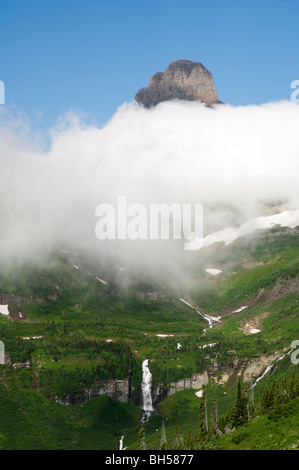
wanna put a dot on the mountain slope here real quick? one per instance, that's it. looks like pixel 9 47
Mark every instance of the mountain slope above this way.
pixel 78 324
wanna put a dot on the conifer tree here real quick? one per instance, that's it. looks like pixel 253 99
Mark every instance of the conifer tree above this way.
pixel 163 444
pixel 240 412
pixel 215 417
pixel 189 444
pixel 265 400
pixel 202 411
pixel 179 443
pixel 291 391
pixel 141 439
pixel 272 394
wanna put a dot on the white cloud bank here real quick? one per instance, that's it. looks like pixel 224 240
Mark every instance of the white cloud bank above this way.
pixel 177 152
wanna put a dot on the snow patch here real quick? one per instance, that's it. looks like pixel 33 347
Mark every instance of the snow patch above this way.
pixel 214 272
pixel 4 309
pixel 289 218
pixel 252 331
pixel 32 337
pixel 240 309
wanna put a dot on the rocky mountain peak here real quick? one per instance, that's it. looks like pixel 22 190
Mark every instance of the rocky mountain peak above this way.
pixel 182 80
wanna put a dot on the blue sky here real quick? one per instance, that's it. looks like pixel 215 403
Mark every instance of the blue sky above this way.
pixel 94 55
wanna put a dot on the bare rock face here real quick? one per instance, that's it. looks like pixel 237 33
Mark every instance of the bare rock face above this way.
pixel 195 382
pixel 117 389
pixel 182 80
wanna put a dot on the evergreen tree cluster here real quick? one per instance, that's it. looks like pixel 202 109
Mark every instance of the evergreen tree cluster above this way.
pixel 272 402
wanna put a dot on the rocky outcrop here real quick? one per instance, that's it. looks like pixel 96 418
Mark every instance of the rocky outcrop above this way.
pixel 182 80
pixel 153 295
pixel 122 390
pixel 196 382
pixel 118 389
pixel 21 365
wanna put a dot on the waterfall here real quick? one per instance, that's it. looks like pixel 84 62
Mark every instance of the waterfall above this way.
pixel 121 444
pixel 271 368
pixel 211 320
pixel 146 388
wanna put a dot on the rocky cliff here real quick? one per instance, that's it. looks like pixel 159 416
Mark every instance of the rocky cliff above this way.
pixel 196 382
pixel 117 389
pixel 122 390
pixel 182 80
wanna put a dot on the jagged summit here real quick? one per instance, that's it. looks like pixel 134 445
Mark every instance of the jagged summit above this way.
pixel 182 80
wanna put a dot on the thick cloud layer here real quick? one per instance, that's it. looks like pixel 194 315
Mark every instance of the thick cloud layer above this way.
pixel 177 152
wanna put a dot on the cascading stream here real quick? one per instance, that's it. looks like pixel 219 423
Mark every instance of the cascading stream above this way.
pixel 211 320
pixel 146 388
pixel 121 444
pixel 270 368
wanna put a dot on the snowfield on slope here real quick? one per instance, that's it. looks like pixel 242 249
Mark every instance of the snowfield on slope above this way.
pixel 288 218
